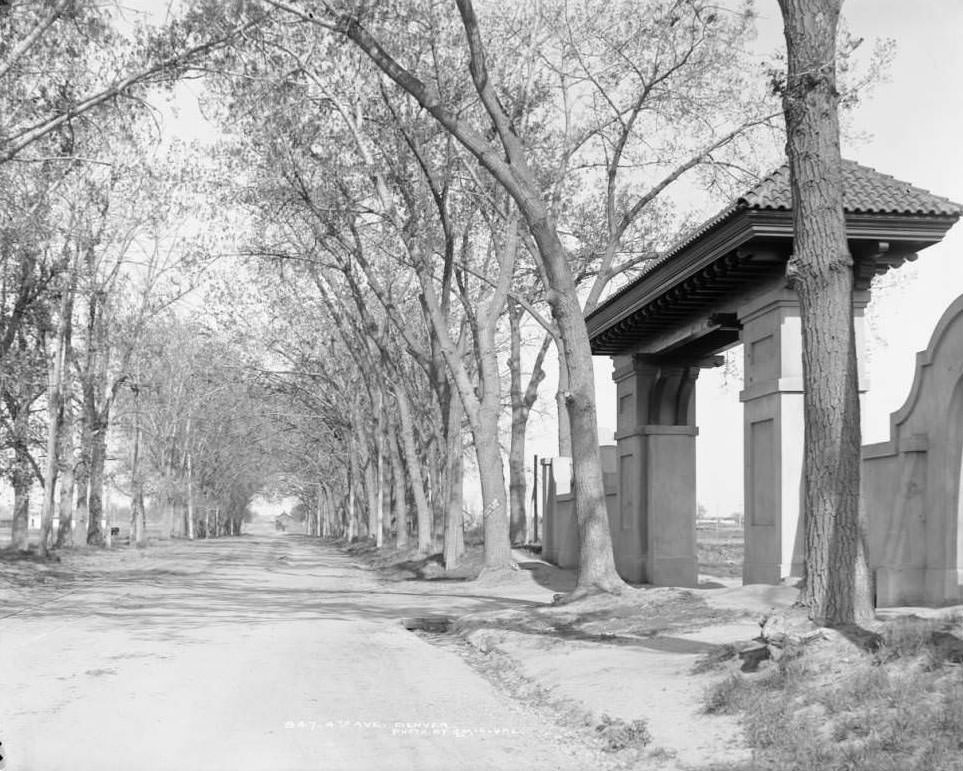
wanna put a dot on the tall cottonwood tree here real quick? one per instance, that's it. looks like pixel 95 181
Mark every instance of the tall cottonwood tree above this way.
pixel 494 132
pixel 821 271
pixel 372 214
pixel 45 95
pixel 508 163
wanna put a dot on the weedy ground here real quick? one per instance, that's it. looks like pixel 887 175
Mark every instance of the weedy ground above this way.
pixel 834 704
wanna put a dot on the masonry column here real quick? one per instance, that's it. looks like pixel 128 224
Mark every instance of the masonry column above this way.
pixel 774 431
pixel 653 532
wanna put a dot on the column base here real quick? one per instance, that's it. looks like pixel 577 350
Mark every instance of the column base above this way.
pixel 674 571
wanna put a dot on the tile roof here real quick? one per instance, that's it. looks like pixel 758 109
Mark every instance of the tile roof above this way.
pixel 865 191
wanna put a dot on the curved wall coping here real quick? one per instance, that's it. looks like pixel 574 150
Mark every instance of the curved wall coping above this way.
pixel 923 359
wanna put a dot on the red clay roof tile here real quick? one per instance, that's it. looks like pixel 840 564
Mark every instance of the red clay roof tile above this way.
pixel 865 191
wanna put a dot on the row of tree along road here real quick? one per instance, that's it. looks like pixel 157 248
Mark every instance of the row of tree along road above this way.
pixel 397 223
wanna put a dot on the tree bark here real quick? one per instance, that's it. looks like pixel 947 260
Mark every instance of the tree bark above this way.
pixel 482 402
pixel 95 494
pixel 379 472
pixel 454 545
pixel 138 515
pixel 399 492
pixel 138 518
pixel 22 478
pixel 21 508
pixel 371 493
pixel 190 494
pixel 522 401
pixel 838 589
pixel 406 429
pixel 65 532
pixel 352 515
pixel 55 419
pixel 596 567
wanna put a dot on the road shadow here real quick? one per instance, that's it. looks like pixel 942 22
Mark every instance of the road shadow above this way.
pixel 549 576
pixel 247 582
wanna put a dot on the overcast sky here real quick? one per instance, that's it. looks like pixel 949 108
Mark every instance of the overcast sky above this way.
pixel 910 127
pixel 914 124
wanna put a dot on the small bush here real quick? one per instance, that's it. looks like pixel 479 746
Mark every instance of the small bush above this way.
pixel 830 708
pixel 618 734
pixel 726 696
pixel 714 659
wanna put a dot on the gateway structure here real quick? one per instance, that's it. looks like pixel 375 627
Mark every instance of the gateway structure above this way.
pixel 726 284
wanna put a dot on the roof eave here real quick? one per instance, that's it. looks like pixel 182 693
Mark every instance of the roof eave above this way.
pixel 905 231
pixel 728 234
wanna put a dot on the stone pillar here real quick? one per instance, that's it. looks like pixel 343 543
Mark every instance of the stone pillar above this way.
pixel 653 530
pixel 774 431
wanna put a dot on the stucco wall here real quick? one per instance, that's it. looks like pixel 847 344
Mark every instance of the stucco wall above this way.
pixel 911 483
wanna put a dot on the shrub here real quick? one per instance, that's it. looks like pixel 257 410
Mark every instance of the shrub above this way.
pixel 618 734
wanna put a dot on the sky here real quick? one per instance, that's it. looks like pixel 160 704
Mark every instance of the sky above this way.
pixel 910 127
pixel 913 127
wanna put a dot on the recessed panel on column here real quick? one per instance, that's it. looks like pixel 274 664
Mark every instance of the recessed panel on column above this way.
pixel 763 480
pixel 626 498
pixel 763 360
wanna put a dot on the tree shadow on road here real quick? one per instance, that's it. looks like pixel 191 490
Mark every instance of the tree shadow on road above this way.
pixel 248 584
pixel 551 577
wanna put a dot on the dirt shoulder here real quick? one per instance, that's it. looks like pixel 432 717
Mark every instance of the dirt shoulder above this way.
pixel 626 669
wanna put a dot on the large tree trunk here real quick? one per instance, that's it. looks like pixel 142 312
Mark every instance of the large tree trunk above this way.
pixel 821 270
pixel 371 494
pixel 516 482
pixel 319 514
pixel 95 495
pixel 138 518
pixel 454 532
pixel 325 508
pixel 596 568
pixel 379 474
pixel 169 525
pixel 491 475
pixel 138 515
pixel 190 495
pixel 352 515
pixel 561 405
pixel 518 528
pixel 22 478
pixel 55 420
pixel 596 563
pixel 82 474
pixel 522 401
pixel 482 401
pixel 406 429
pixel 65 532
pixel 399 492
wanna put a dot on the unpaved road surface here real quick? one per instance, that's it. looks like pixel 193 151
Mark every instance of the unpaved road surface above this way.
pixel 259 652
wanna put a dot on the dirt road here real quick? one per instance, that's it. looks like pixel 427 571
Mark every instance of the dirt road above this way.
pixel 260 652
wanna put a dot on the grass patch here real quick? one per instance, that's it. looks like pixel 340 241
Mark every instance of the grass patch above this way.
pixel 721 550
pixel 838 707
pixel 715 659
pixel 408 564
pixel 618 734
pixel 612 619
